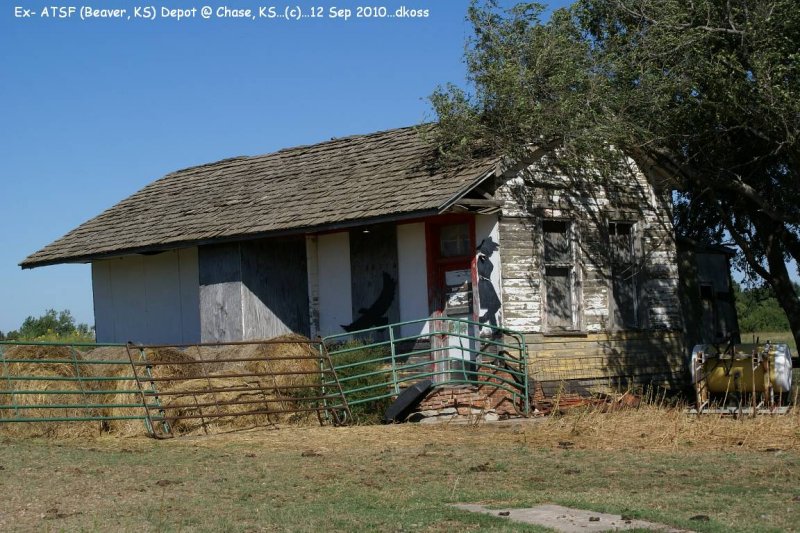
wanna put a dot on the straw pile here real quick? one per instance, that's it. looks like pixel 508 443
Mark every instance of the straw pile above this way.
pixel 199 399
pixel 38 392
pixel 172 367
pixel 289 360
pixel 195 375
pixel 285 371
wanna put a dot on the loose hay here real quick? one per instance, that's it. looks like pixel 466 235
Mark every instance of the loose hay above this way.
pixel 284 392
pixel 127 390
pixel 172 363
pixel 291 362
pixel 36 368
pixel 125 427
pixel 285 377
pixel 285 374
pixel 205 406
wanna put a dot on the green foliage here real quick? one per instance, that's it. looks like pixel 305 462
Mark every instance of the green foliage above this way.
pixel 353 378
pixel 758 310
pixel 704 96
pixel 52 326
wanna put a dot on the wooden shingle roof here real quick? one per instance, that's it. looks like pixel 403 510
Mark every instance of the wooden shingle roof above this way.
pixel 340 183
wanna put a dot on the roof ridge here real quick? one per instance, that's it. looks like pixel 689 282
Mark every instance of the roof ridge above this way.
pixel 290 149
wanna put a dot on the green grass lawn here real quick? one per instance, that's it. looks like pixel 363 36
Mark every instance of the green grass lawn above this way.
pixel 774 337
pixel 659 466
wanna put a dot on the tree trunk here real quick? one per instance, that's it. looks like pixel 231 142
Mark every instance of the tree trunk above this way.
pixel 782 285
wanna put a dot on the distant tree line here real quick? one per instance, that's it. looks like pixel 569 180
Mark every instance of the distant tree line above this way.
pixel 759 310
pixel 52 325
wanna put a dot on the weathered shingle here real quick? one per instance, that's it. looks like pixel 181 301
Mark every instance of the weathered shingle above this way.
pixel 341 181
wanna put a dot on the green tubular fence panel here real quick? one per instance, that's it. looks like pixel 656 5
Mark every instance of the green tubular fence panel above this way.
pixel 389 361
pixel 63 382
pixel 78 385
pixel 148 418
pixel 332 410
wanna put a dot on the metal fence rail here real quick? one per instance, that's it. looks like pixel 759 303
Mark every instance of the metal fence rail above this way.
pixel 174 389
pixel 169 388
pixel 374 365
pixel 56 382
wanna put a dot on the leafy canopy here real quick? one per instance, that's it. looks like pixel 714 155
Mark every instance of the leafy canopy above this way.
pixel 704 95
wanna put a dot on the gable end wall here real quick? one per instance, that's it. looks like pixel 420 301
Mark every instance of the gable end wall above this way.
pixel 598 350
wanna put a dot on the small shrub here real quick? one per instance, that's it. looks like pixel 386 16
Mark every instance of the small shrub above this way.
pixel 354 377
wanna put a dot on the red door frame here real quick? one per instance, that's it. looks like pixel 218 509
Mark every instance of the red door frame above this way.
pixel 437 265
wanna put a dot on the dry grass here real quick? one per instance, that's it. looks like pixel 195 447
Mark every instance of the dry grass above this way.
pixel 671 429
pixel 652 463
pixel 646 428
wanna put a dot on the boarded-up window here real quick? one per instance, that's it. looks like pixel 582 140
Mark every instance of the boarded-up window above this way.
pixel 559 276
pixel 624 274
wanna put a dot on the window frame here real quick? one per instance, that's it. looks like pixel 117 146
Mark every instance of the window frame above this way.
pixel 634 264
pixel 574 277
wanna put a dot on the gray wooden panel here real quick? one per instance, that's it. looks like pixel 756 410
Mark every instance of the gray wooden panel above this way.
pixel 221 312
pixel 147 298
pixel 559 298
pixel 556 242
pixel 275 295
pixel 161 280
pixel 373 267
pixel 129 295
pixel 103 302
pixel 219 263
pixel 220 274
pixel 190 295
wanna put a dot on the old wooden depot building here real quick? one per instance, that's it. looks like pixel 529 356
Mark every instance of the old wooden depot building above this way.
pixel 366 230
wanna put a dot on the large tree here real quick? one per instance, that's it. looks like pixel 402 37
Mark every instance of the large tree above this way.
pixel 704 95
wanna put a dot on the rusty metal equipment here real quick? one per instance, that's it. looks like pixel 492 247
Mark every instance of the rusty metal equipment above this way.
pixel 742 382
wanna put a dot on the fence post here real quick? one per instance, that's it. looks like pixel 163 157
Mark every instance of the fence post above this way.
pixel 11 387
pixel 524 354
pixel 394 363
pixel 80 379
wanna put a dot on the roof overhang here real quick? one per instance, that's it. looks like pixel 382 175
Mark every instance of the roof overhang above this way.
pixel 310 230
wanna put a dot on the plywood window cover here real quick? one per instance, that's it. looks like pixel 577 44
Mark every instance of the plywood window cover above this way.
pixel 567 260
pixel 624 261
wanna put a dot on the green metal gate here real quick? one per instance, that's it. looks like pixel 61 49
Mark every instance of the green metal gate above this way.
pixel 46 382
pixel 374 365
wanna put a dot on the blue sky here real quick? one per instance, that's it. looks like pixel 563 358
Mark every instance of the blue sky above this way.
pixel 91 111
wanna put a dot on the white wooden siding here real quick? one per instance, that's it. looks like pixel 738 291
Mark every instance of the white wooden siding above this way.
pixel 334 284
pixel 412 276
pixel 147 299
pixel 532 196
